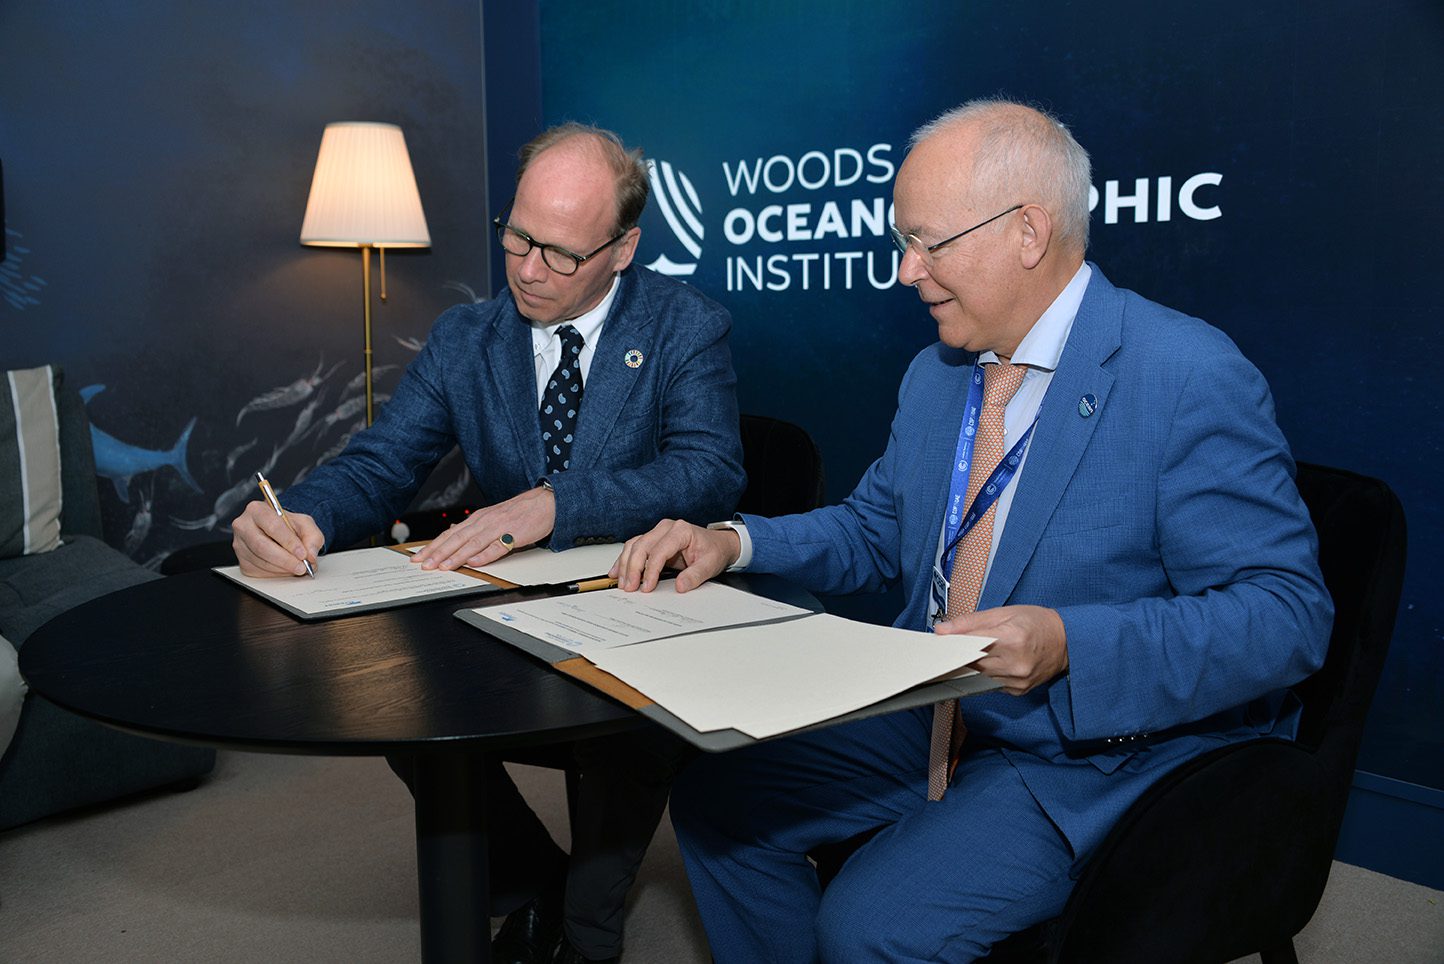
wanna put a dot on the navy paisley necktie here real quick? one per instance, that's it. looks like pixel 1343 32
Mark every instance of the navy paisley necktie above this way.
pixel 561 401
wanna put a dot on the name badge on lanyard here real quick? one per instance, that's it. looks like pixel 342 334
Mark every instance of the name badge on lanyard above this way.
pixel 958 523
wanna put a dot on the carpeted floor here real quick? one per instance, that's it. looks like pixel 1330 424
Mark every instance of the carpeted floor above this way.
pixel 284 858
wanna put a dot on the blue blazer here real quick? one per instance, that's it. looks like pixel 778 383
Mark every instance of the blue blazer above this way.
pixel 652 441
pixel 1165 528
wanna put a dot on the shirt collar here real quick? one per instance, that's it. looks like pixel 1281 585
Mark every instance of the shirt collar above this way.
pixel 588 324
pixel 1043 345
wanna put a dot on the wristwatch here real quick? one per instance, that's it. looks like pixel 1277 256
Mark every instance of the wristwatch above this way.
pixel 744 542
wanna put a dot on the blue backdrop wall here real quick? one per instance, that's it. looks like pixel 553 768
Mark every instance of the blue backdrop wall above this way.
pixel 1269 167
pixel 157 161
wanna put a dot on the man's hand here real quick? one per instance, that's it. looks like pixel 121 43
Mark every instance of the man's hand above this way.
pixel 266 546
pixel 529 517
pixel 1031 647
pixel 699 553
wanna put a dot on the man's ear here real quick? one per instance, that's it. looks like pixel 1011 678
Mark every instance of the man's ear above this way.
pixel 625 249
pixel 1037 235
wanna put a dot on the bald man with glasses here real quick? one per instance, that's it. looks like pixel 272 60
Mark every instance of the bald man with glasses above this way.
pixel 1090 479
pixel 590 398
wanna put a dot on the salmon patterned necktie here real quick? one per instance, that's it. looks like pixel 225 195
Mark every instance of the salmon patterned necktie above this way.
pixel 970 559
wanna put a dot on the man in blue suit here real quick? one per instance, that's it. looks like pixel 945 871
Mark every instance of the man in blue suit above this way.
pixel 590 399
pixel 1147 569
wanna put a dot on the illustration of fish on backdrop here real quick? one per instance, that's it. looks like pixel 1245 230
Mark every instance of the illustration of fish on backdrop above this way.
pixel 224 508
pixel 17 288
pixel 288 395
pixel 350 408
pixel 340 444
pixel 120 461
pixel 358 381
pixel 139 526
pixel 448 496
pixel 236 453
pixel 303 421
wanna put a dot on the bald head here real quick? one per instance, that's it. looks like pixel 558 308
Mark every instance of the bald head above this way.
pixel 628 170
pixel 1019 155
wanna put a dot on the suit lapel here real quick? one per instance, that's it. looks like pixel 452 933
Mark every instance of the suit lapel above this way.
pixel 610 380
pixel 1061 436
pixel 510 358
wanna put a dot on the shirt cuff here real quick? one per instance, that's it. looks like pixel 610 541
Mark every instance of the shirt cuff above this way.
pixel 744 557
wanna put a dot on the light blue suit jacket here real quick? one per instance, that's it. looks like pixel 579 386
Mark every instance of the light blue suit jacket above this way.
pixel 1165 528
pixel 652 441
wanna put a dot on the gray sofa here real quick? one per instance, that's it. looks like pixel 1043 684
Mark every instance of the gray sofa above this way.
pixel 57 760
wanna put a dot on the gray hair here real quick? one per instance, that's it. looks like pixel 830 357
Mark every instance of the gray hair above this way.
pixel 1024 147
pixel 626 164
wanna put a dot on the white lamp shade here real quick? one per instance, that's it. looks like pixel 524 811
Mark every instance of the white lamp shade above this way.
pixel 363 191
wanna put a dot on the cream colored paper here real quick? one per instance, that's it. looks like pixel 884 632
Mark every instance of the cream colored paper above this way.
pixel 766 680
pixel 542 567
pixel 359 578
pixel 592 621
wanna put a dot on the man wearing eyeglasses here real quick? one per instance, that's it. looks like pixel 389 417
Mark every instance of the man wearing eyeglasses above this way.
pixel 590 398
pixel 1089 478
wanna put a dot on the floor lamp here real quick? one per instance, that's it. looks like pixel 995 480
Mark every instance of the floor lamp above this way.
pixel 363 195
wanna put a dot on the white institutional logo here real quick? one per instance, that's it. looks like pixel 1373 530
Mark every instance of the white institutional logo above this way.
pixel 677 200
pixel 820 220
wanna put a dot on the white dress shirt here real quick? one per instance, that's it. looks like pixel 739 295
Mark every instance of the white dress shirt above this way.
pixel 546 344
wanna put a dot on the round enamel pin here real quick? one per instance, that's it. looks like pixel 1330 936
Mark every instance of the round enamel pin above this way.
pixel 633 358
pixel 1087 405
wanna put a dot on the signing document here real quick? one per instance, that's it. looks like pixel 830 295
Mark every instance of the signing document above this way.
pixel 766 680
pixel 359 580
pixel 592 621
pixel 541 567
pixel 721 659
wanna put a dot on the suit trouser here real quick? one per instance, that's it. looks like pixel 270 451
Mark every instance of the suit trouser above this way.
pixel 623 786
pixel 941 881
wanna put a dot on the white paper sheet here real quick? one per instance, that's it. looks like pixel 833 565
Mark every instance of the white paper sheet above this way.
pixel 766 680
pixel 358 578
pixel 542 567
pixel 592 621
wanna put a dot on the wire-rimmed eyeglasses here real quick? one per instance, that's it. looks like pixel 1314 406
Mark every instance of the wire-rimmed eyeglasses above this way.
pixel 926 250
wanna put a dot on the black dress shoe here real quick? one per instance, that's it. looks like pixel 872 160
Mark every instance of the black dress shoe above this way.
pixel 567 954
pixel 531 933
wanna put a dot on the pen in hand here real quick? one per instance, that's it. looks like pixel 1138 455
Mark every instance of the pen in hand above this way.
pixel 275 503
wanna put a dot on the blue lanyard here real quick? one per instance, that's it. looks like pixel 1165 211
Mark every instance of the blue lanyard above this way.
pixel 959 524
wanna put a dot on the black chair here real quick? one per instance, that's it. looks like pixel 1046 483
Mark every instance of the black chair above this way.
pixel 784 467
pixel 1228 855
pixel 784 475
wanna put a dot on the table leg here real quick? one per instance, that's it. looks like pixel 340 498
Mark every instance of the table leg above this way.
pixel 451 858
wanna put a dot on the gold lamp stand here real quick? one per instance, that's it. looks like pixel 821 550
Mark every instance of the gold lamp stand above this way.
pixel 363 194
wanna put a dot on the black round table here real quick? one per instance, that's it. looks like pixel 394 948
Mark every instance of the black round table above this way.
pixel 196 659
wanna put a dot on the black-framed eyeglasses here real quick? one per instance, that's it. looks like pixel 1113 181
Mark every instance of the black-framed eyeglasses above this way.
pixel 926 250
pixel 517 242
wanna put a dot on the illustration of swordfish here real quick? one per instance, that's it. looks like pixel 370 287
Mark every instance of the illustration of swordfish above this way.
pixel 120 461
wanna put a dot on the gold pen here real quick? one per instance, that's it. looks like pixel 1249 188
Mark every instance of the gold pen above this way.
pixel 275 503
pixel 587 585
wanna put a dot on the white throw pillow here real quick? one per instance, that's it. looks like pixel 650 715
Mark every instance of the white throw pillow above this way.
pixel 29 462
pixel 12 693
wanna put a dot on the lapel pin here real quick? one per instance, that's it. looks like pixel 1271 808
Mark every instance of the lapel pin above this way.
pixel 1087 405
pixel 633 358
